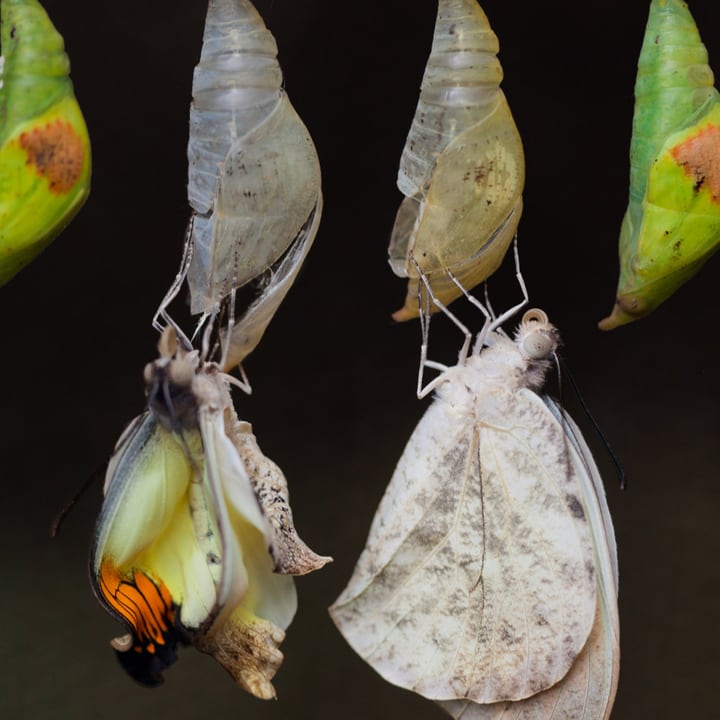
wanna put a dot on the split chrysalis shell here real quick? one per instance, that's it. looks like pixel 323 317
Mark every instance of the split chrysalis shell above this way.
pixel 462 170
pixel 672 223
pixel 254 174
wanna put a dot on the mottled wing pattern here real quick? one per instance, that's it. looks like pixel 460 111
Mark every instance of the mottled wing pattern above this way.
pixel 588 690
pixel 441 601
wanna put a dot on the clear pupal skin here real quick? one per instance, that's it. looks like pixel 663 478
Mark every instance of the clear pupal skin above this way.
pixel 253 185
pixel 462 169
pixel 254 174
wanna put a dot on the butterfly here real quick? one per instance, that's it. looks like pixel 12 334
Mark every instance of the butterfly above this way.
pixel 195 540
pixel 44 143
pixel 462 169
pixel 672 224
pixel 488 581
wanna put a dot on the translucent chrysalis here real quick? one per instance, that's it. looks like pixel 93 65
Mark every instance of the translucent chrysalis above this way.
pixel 462 169
pixel 254 175
pixel 254 179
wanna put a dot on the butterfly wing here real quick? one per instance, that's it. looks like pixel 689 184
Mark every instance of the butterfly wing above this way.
pixel 155 558
pixel 255 605
pixel 477 580
pixel 588 690
pixel 44 143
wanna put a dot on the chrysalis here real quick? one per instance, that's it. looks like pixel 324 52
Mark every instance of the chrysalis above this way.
pixel 44 143
pixel 254 176
pixel 489 578
pixel 462 169
pixel 195 539
pixel 672 223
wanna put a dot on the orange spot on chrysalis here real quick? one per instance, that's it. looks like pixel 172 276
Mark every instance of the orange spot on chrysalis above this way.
pixel 56 151
pixel 700 157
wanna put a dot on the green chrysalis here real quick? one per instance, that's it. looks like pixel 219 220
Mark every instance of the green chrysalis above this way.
pixel 44 144
pixel 672 223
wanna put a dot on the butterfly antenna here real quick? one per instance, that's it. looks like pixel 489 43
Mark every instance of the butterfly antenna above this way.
pixel 70 504
pixel 622 478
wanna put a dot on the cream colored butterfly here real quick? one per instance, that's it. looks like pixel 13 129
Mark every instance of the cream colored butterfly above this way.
pixel 489 578
pixel 195 538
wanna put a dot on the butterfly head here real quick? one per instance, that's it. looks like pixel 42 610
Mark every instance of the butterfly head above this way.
pixel 537 340
pixel 169 383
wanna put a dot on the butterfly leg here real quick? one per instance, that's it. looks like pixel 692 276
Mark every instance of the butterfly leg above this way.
pixel 425 296
pixel 500 319
pixel 162 314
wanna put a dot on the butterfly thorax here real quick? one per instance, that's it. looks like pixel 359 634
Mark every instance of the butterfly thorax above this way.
pixel 178 384
pixel 486 379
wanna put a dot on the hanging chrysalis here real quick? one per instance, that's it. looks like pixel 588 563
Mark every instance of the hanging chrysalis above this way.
pixel 195 540
pixel 44 144
pixel 489 578
pixel 254 175
pixel 672 223
pixel 462 169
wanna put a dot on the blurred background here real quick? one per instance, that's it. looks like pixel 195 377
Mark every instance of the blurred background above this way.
pixel 334 379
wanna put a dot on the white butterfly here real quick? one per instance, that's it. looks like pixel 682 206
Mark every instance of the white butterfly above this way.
pixel 489 577
pixel 195 538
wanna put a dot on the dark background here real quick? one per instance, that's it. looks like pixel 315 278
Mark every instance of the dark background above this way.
pixel 334 379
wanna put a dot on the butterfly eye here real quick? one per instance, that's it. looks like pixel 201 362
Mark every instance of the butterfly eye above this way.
pixel 181 373
pixel 537 344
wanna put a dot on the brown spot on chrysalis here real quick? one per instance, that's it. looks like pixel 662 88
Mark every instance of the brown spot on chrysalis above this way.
pixel 56 151
pixel 699 155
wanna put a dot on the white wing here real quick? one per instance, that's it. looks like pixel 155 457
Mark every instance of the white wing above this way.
pixel 478 579
pixel 587 692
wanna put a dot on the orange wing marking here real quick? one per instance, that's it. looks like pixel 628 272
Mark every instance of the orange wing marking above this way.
pixel 145 605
